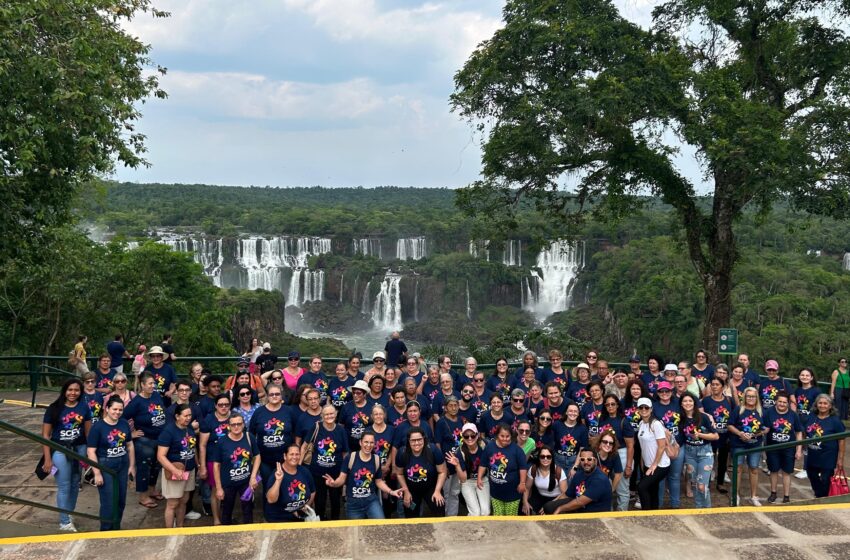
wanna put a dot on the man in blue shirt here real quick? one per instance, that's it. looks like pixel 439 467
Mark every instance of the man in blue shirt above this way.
pixel 589 490
pixel 117 353
pixel 396 350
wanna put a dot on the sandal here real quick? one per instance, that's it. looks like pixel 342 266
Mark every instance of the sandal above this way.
pixel 158 497
pixel 150 505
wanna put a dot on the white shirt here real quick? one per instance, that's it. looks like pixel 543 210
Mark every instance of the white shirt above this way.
pixel 648 435
pixel 542 484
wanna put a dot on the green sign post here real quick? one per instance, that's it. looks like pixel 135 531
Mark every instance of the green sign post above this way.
pixel 727 341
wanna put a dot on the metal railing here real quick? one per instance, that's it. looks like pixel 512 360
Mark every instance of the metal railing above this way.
pixel 115 519
pixel 736 453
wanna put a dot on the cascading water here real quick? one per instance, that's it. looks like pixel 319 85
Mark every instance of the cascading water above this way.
pixel 512 253
pixel 364 303
pixel 208 253
pixel 341 285
pixel 386 312
pixel 410 248
pixel 480 248
pixel 551 290
pixel 416 301
pixel 846 261
pixel 367 247
pixel 468 307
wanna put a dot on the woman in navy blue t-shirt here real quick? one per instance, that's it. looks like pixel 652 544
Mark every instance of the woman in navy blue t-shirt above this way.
pixel 504 463
pixel 110 444
pixel 67 421
pixel 824 457
pixel 291 489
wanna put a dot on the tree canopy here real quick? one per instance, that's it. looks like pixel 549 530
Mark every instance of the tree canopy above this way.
pixel 578 104
pixel 71 79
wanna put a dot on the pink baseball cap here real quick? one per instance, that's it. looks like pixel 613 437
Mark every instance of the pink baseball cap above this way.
pixel 771 364
pixel 664 385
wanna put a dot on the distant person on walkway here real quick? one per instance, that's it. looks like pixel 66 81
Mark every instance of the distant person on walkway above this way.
pixel 163 374
pixel 839 388
pixel 267 360
pixel 67 421
pixel 396 350
pixel 117 353
pixel 168 348
pixel 81 366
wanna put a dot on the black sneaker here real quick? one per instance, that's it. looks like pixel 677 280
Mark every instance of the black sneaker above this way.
pixel 772 498
pixel 207 509
pixel 722 490
pixel 786 500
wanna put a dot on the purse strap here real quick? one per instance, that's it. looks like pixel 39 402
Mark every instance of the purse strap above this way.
pixel 315 432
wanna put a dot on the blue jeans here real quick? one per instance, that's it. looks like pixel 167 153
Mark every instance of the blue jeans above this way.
pixel 120 464
pixel 364 508
pixel 673 482
pixel 67 481
pixel 147 467
pixel 623 486
pixel 700 460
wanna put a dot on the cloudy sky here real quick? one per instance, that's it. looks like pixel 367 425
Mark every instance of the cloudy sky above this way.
pixel 314 92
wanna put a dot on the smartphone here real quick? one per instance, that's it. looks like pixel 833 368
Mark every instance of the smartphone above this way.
pixel 53 470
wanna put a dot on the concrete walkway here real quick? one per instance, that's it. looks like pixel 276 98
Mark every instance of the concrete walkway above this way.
pixel 798 533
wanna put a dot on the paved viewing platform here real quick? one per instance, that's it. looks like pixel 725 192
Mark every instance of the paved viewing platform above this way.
pixel 801 530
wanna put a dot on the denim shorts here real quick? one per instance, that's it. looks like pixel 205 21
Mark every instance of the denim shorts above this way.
pixel 752 459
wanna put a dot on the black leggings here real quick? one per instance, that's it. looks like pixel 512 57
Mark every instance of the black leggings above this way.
pixel 231 494
pixel 722 460
pixel 648 487
pixel 323 491
pixel 422 494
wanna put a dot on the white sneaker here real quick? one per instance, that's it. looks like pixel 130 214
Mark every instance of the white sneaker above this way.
pixel 727 479
pixel 802 475
pixel 755 501
pixel 193 515
pixel 69 527
pixel 637 504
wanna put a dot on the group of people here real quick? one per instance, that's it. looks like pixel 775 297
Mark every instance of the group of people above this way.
pixel 424 439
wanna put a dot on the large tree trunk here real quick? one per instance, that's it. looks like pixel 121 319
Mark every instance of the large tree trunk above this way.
pixel 718 308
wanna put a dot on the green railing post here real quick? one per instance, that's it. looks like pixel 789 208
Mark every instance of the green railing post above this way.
pixel 33 369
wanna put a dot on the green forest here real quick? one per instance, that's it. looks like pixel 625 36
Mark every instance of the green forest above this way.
pixel 641 292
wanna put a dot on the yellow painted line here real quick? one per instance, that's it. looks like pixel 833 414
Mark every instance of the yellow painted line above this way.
pixel 190 531
pixel 21 403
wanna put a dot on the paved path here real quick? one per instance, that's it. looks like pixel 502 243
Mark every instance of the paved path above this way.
pixel 796 533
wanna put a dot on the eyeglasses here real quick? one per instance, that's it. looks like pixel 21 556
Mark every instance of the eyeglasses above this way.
pixel 222 405
pixel 523 431
pixel 417 440
pixel 293 359
pixel 237 424
pixel 89 381
pixel 501 365
pixel 606 442
pixel 545 419
pixel 119 381
pixel 610 404
pixel 546 457
pixel 183 389
pixel 274 394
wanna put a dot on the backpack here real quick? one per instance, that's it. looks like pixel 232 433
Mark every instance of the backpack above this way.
pixel 374 456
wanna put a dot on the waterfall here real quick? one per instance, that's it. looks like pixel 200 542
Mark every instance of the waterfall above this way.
pixel 294 288
pixel 478 248
pixel 410 248
pixel 386 312
pixel 512 253
pixel 416 301
pixel 846 261
pixel 367 247
pixel 364 303
pixel 354 291
pixel 551 290
pixel 468 308
pixel 132 245
pixel 206 252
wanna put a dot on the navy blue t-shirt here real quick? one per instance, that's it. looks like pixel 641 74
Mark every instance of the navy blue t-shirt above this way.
pixel 501 386
pixel 339 392
pixel 823 455
pixel 295 492
pixel 689 427
pixel 503 467
pixel 317 381
pixel 104 380
pixel 621 427
pixel 569 440
pixel 273 432
pixel 236 458
pixel 720 411
pixel 181 444
pixel 95 403
pixel 577 392
pixel 330 447
pixel 110 441
pixel 591 414
pixel 384 444
pixel 651 381
pixel 563 378
pixel 487 424
pixel 806 399
pixel 430 391
pixel 400 436
pixel 307 425
pixel 356 420
pixel 768 389
pixel 395 349
pixel 421 469
pixel 197 415
pixel 217 429
pixel 611 465
pixel 668 414
pixel 705 375
pixel 783 427
pixel 147 414
pixel 595 486
pixel 362 477
pixel 438 404
pixel 749 422
pixel 116 353
pixel 163 377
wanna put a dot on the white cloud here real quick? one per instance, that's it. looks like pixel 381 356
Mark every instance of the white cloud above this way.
pixel 251 96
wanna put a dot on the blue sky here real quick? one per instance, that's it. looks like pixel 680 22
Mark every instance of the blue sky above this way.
pixel 314 92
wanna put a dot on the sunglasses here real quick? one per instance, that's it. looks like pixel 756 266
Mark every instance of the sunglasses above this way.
pixel 89 381
pixel 470 436
pixel 274 394
pixel 378 360
pixel 545 419
pixel 119 381
pixel 545 457
pixel 644 407
pixel 478 380
pixel 523 431
pixel 606 442
pixel 418 440
pixel 518 400
pixel 611 404
pixel 277 378
pixel 466 392
pixel 237 425
pixel 243 394
pixel 587 459
pixel 591 357
pixel 222 405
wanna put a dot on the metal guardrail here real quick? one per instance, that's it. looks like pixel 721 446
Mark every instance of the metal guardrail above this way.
pixel 73 455
pixel 773 447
